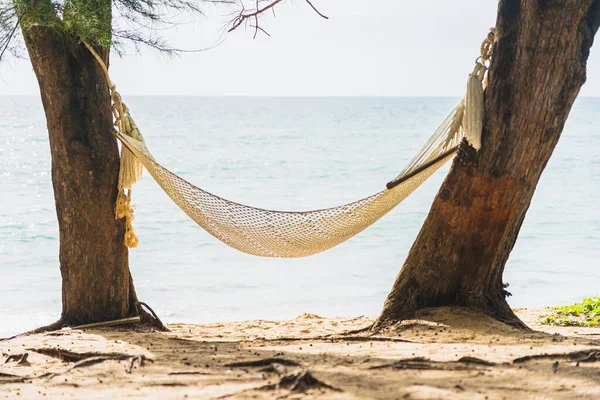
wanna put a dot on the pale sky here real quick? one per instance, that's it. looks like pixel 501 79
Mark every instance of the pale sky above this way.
pixel 366 48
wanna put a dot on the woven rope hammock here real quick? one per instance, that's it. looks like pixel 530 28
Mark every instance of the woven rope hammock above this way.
pixel 270 233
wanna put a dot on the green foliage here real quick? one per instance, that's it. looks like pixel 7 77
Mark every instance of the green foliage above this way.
pixel 106 23
pixel 585 313
pixel 90 20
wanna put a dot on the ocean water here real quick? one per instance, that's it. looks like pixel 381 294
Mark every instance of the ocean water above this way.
pixel 292 154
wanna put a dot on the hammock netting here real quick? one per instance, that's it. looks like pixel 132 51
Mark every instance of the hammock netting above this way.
pixel 286 234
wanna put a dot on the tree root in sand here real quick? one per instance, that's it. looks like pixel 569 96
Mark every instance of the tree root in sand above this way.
pixel 576 356
pixel 421 363
pixel 96 360
pixel 85 359
pixel 299 381
pixel 70 356
pixel 334 338
pixel 302 381
pixel 10 378
pixel 466 363
pixel 263 363
pixel 82 360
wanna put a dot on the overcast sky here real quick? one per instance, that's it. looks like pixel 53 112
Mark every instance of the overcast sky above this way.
pixel 373 48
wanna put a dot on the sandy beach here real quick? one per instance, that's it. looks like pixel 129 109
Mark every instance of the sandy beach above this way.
pixel 444 354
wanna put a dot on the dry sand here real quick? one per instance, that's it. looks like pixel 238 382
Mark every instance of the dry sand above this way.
pixel 445 354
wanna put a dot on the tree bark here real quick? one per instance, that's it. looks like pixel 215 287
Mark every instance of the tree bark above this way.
pixel 538 67
pixel 96 282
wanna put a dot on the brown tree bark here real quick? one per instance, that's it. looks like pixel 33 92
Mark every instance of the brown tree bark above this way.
pixel 538 67
pixel 96 282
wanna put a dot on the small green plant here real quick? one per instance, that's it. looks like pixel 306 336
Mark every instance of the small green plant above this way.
pixel 585 313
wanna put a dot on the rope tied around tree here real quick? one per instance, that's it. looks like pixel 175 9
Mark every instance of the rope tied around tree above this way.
pixel 130 170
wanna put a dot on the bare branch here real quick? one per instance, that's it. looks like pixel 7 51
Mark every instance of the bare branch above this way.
pixel 317 11
pixel 243 16
pixel 8 40
pixel 261 29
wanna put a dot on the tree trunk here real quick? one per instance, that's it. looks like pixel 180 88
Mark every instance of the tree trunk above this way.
pixel 96 282
pixel 538 67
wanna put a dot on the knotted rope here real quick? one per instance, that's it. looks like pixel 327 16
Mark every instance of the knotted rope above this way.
pixel 130 170
pixel 473 101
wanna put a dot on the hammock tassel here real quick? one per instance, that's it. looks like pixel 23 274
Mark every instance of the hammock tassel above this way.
pixel 474 101
pixel 130 170
pixel 131 167
pixel 473 117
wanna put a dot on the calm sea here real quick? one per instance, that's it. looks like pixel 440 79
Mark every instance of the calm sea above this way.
pixel 292 154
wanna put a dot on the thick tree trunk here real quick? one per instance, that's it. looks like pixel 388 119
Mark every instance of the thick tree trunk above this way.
pixel 96 282
pixel 538 67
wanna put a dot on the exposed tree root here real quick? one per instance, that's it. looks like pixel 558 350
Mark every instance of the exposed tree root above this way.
pixel 357 331
pixel 70 356
pixel 420 363
pixel 80 359
pixel 299 381
pixel 333 338
pixel 96 360
pixel 302 381
pixel 150 318
pixel 10 378
pixel 263 363
pixel 576 356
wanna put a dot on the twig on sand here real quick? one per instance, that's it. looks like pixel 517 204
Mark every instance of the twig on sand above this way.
pixel 105 324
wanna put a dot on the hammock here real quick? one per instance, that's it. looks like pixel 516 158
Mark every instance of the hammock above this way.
pixel 285 234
